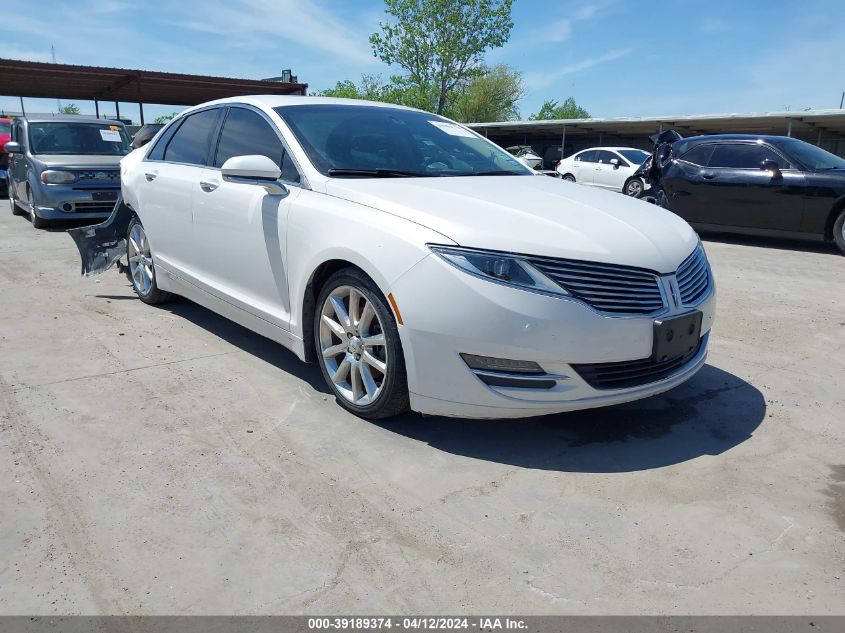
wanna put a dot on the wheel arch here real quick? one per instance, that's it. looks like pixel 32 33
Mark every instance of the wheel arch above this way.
pixel 835 210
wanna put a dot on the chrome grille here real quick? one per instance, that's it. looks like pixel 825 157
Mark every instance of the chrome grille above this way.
pixel 608 288
pixel 98 174
pixel 694 278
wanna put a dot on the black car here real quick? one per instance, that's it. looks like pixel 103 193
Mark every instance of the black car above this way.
pixel 145 134
pixel 764 185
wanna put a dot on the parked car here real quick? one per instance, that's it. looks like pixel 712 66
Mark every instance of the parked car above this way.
pixel 764 185
pixel 145 134
pixel 607 167
pixel 526 155
pixel 65 167
pixel 5 137
pixel 413 259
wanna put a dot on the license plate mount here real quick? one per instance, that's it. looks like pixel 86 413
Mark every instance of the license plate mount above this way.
pixel 676 336
pixel 104 196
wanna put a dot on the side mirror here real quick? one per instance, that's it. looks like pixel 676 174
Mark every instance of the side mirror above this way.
pixel 614 162
pixel 771 166
pixel 12 147
pixel 254 170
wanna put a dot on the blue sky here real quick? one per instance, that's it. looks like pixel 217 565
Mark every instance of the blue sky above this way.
pixel 616 57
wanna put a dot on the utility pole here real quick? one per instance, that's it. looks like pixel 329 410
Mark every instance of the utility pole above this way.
pixel 58 101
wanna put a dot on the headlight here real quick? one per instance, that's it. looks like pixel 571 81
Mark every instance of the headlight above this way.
pixel 511 270
pixel 55 177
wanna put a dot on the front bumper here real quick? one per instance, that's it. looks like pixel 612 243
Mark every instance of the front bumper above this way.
pixel 66 202
pixel 447 312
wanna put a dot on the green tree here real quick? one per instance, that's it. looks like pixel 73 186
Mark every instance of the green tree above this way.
pixel 567 110
pixel 164 118
pixel 70 108
pixel 440 43
pixel 492 96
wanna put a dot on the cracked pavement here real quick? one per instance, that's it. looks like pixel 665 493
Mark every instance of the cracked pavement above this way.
pixel 164 460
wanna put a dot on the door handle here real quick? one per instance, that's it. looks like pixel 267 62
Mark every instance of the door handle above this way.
pixel 150 176
pixel 708 175
pixel 207 186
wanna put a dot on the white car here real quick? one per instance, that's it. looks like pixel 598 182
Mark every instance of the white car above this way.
pixel 606 167
pixel 415 261
pixel 525 155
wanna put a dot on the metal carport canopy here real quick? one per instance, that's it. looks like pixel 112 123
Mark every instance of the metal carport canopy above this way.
pixel 756 122
pixel 95 83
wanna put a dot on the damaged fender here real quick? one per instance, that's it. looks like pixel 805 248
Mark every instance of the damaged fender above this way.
pixel 102 245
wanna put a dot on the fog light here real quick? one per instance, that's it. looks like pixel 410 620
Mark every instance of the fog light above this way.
pixel 487 363
pixel 67 206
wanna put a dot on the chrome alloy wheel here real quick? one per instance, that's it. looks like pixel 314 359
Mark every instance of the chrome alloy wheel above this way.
pixel 352 345
pixel 634 188
pixel 140 260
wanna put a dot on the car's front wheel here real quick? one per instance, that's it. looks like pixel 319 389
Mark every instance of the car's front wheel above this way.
pixel 37 222
pixel 358 347
pixel 141 268
pixel 634 187
pixel 839 231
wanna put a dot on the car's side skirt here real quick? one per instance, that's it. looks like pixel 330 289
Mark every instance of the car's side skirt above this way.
pixel 750 230
pixel 168 280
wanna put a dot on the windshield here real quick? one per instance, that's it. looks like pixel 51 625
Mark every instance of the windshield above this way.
pixel 5 127
pixel 812 157
pixel 372 141
pixel 636 156
pixel 78 139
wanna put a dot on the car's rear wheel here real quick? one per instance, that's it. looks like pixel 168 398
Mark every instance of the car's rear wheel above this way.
pixel 569 177
pixel 839 231
pixel 141 269
pixel 358 347
pixel 634 187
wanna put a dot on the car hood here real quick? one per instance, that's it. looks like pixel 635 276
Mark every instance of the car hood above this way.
pixel 532 215
pixel 73 161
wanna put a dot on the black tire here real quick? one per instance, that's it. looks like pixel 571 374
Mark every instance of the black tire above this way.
pixel 37 223
pixel 569 178
pixel 151 295
pixel 634 187
pixel 393 398
pixel 839 231
pixel 16 210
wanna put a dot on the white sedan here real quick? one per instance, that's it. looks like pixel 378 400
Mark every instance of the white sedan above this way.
pixel 419 264
pixel 606 167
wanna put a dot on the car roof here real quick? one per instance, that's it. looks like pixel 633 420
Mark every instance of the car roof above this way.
pixel 70 119
pixel 691 141
pixel 612 149
pixel 275 101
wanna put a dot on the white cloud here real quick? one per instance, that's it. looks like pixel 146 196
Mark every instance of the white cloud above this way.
pixel 560 30
pixel 539 80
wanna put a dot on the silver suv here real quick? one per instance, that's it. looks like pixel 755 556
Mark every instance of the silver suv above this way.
pixel 65 167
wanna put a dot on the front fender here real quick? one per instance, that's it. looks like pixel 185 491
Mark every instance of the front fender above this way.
pixel 102 245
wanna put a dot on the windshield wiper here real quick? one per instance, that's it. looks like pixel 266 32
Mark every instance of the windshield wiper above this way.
pixel 500 172
pixel 375 173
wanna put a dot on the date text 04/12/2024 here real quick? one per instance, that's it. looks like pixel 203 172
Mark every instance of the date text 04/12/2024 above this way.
pixel 416 623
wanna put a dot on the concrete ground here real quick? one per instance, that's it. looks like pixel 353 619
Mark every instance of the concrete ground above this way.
pixel 164 460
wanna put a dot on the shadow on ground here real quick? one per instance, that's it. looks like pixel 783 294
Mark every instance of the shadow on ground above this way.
pixel 775 243
pixel 710 414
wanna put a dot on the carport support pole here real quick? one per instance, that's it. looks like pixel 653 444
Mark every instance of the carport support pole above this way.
pixel 116 110
pixel 23 112
pixel 141 107
pixel 562 142
pixel 789 128
pixel 97 108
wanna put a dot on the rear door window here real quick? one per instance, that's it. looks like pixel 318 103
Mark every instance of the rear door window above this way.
pixel 744 156
pixel 192 141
